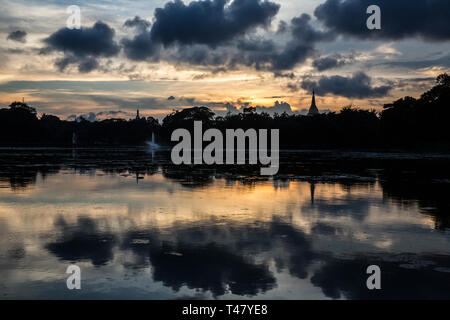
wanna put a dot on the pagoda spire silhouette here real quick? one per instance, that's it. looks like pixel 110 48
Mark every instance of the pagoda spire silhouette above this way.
pixel 313 110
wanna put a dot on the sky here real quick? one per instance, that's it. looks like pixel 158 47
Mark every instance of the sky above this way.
pixel 159 55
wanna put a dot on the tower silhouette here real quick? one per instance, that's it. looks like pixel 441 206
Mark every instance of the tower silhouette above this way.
pixel 313 109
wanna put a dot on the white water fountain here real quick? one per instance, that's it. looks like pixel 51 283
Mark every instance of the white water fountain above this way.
pixel 152 144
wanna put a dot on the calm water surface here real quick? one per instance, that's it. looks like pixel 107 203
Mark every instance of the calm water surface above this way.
pixel 141 228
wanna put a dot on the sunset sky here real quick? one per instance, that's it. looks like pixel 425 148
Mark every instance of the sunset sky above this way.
pixel 159 55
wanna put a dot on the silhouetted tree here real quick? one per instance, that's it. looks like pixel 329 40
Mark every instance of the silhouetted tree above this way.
pixel 407 122
pixel 21 106
pixel 418 122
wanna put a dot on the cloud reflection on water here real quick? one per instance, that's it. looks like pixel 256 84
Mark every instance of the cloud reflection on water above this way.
pixel 167 236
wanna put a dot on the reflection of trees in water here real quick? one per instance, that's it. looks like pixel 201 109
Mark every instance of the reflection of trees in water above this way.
pixel 20 178
pixel 21 168
pixel 84 241
pixel 431 198
pixel 208 267
pixel 234 258
pixel 188 176
pixel 199 176
pixel 425 183
pixel 402 277
pixel 214 258
pixel 406 181
pixel 221 258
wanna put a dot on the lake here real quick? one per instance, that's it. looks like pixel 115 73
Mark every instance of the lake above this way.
pixel 142 228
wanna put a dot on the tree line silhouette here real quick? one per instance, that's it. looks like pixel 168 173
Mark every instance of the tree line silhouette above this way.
pixel 405 123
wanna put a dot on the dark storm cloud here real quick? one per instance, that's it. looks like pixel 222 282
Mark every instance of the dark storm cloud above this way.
pixel 62 63
pixel 292 54
pixel 292 86
pixel 210 22
pixel 266 54
pixel 82 46
pixel 137 22
pixel 140 47
pixel 331 62
pixel 216 34
pixel 96 41
pixel 302 30
pixel 326 63
pixel 257 52
pixel 298 49
pixel 85 64
pixel 209 33
pixel 200 55
pixel 415 64
pixel 357 86
pixel 18 35
pixel 400 19
pixel 288 75
pixel 282 27
pixel 254 44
